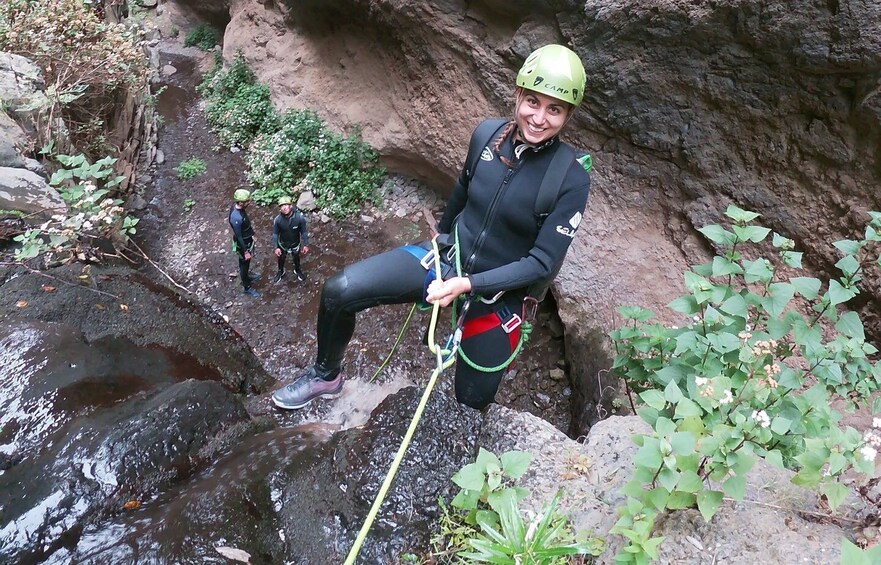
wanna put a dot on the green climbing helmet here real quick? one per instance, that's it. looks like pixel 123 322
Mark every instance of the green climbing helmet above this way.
pixel 556 71
pixel 241 195
pixel 285 200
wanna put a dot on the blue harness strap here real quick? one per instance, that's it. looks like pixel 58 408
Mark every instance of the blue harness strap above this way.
pixel 415 251
pixel 426 259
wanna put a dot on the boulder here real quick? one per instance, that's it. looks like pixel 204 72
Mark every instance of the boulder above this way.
pixel 767 527
pixel 299 495
pixel 28 192
pixel 21 86
pixel 12 142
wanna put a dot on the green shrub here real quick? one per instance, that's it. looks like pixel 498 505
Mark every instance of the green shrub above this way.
pixel 279 161
pixel 290 150
pixel 341 172
pixel 237 108
pixel 203 36
pixel 240 118
pixel 489 526
pixel 751 376
pixel 190 168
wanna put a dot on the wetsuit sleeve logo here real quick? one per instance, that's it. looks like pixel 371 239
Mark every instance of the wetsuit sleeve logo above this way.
pixel 574 221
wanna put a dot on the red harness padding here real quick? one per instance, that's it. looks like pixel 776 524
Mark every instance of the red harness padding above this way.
pixel 488 322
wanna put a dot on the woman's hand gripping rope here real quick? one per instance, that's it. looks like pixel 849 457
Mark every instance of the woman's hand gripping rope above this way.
pixel 442 293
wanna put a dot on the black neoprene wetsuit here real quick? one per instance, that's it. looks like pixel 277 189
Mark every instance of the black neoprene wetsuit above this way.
pixel 502 248
pixel 287 233
pixel 243 240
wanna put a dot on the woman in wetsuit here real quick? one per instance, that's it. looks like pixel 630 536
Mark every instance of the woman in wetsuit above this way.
pixel 503 247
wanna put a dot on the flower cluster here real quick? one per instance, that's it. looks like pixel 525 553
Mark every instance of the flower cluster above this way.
pixel 771 370
pixel 761 418
pixel 872 439
pixel 762 347
pixel 706 390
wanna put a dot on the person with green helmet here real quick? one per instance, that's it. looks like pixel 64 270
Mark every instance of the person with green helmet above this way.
pixel 288 229
pixel 243 238
pixel 491 228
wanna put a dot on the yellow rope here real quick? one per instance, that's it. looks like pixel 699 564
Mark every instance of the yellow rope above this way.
pixel 442 364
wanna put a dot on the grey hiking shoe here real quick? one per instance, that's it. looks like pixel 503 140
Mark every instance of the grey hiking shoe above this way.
pixel 306 388
pixel 301 276
pixel 278 276
pixel 252 293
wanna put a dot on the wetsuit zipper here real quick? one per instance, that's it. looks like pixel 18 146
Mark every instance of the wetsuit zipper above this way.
pixel 490 216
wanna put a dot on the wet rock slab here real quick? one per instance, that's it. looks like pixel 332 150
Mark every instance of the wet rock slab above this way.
pixel 289 495
pixel 109 394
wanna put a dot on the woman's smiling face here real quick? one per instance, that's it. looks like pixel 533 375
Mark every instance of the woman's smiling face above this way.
pixel 539 117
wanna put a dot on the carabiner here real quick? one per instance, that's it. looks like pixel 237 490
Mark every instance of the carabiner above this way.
pixel 530 309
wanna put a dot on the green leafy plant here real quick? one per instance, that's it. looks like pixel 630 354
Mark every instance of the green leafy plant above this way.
pixel 755 374
pixel 202 36
pixel 342 172
pixel 236 107
pixel 291 150
pixel 489 502
pixel 188 204
pixel 190 168
pixel 92 213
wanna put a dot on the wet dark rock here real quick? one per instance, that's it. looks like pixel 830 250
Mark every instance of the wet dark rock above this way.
pixel 444 442
pixel 288 495
pixel 97 454
pixel 117 301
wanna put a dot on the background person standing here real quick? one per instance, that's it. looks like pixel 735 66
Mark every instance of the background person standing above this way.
pixel 243 238
pixel 288 231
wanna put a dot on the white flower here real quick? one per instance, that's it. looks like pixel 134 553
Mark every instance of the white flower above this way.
pixel 761 418
pixel 700 381
pixel 876 422
pixel 868 452
pixel 87 225
pixel 727 398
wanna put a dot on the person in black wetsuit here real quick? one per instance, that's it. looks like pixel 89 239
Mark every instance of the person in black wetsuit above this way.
pixel 243 238
pixel 502 245
pixel 288 229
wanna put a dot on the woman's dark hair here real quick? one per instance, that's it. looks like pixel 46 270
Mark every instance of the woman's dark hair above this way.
pixel 498 144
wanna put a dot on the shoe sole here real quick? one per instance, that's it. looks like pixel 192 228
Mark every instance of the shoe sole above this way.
pixel 332 394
